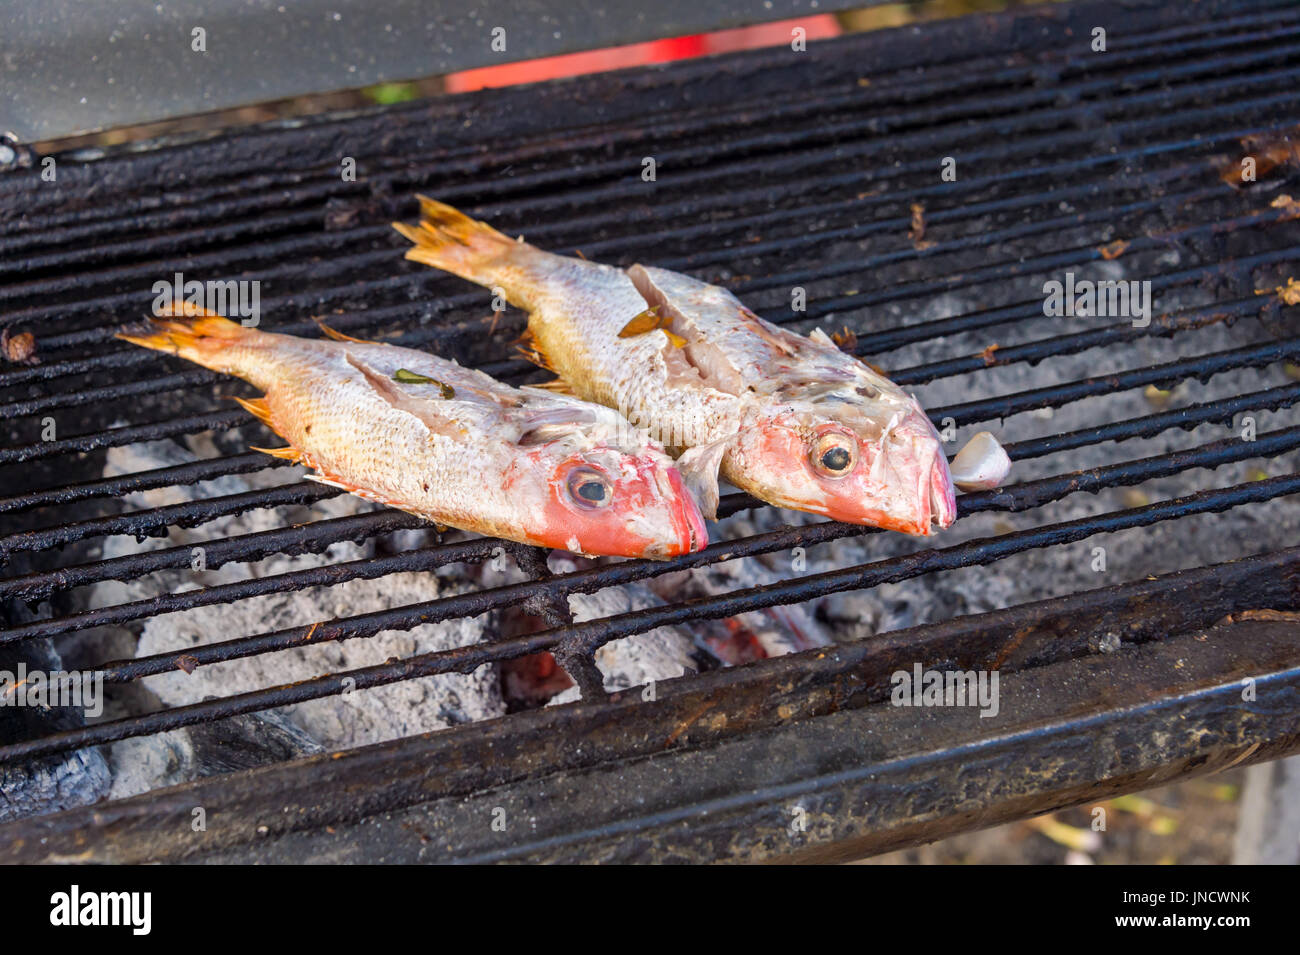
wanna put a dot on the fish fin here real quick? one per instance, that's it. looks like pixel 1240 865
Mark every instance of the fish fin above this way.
pixel 644 322
pixel 431 413
pixel 340 336
pixel 536 356
pixel 845 340
pixel 447 239
pixel 289 453
pixel 657 302
pixel 699 470
pixel 651 320
pixel 330 480
pixel 258 408
pixel 557 386
pixel 191 332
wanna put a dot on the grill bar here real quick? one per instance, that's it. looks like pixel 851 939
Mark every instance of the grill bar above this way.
pixel 1282 25
pixel 312 538
pixel 1019 101
pixel 465 605
pixel 783 172
pixel 339 241
pixel 137 356
pixel 759 697
pixel 191 378
pixel 195 512
pixel 127 358
pixel 591 635
pixel 954 67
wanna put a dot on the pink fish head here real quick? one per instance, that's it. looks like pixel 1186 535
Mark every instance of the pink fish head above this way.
pixel 883 471
pixel 606 501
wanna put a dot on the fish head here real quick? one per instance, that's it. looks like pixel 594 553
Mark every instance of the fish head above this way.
pixel 605 500
pixel 589 482
pixel 881 466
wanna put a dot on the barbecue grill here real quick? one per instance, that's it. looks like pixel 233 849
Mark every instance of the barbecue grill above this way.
pixel 776 170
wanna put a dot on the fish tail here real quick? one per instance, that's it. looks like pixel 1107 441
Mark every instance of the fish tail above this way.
pixel 191 332
pixel 448 239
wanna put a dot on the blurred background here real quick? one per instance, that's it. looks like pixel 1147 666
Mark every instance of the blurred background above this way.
pixel 817 26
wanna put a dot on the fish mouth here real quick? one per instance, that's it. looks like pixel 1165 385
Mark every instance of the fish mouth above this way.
pixel 934 499
pixel 942 496
pixel 691 534
pixel 912 462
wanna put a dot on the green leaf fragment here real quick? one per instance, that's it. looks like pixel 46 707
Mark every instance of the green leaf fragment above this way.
pixel 412 378
pixel 388 93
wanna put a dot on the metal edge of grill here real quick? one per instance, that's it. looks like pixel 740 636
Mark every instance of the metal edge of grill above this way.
pixel 710 767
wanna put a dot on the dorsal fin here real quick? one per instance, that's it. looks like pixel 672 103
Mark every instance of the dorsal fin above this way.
pixel 340 336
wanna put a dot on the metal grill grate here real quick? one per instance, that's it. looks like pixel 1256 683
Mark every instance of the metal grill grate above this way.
pixel 775 170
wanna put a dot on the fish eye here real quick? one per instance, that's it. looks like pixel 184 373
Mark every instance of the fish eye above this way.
pixel 589 489
pixel 834 454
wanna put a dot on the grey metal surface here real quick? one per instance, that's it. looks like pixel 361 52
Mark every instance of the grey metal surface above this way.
pixel 70 67
pixel 1268 830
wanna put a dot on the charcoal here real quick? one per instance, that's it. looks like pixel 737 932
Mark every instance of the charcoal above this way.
pixel 51 783
pixel 247 740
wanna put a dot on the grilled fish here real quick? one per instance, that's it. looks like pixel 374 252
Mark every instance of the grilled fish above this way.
pixel 447 443
pixel 792 420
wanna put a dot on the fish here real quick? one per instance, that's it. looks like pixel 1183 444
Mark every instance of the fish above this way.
pixel 447 443
pixel 792 420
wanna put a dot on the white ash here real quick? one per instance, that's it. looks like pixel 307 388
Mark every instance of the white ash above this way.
pixel 780 629
pixel 637 660
pixel 150 762
pixel 206 749
pixel 356 718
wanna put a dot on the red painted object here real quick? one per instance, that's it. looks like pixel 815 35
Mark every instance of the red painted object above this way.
pixel 817 27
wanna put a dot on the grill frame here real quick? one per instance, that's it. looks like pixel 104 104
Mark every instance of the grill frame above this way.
pixel 321 787
pixel 431 798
